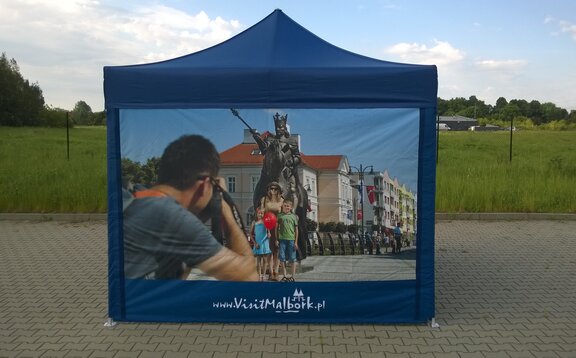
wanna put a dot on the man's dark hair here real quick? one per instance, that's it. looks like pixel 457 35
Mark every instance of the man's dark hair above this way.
pixel 186 160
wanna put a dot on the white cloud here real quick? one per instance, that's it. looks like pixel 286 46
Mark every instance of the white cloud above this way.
pixel 486 79
pixel 442 53
pixel 71 41
pixel 563 27
pixel 505 65
pixel 173 32
pixel 568 27
pixel 460 76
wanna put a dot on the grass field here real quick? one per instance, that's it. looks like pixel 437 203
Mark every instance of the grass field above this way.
pixel 474 173
pixel 36 175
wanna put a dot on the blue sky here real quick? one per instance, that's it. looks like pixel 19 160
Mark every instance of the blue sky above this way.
pixel 523 49
pixel 387 139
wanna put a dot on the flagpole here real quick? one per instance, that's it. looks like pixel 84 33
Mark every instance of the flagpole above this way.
pixel 362 199
pixel 361 171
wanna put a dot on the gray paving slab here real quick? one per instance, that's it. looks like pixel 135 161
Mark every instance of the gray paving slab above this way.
pixel 504 289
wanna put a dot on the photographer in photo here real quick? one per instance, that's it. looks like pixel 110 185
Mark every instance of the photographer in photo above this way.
pixel 164 233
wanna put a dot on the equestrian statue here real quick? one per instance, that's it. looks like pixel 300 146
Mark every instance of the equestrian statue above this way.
pixel 280 165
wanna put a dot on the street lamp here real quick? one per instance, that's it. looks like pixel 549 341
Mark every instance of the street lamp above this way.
pixel 361 171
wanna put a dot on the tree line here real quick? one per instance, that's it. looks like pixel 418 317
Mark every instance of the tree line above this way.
pixel 529 114
pixel 20 100
pixel 22 104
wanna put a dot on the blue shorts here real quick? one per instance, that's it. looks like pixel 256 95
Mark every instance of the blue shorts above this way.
pixel 287 251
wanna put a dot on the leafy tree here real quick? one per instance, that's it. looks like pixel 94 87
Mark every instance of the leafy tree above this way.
pixel 131 172
pixel 82 114
pixel 311 225
pixel 330 226
pixel 353 228
pixel 561 125
pixel 500 104
pixel 522 105
pixel 442 106
pixel 523 122
pixel 552 113
pixel 475 108
pixel 572 116
pixel 535 112
pixel 150 171
pixel 136 173
pixel 20 101
pixel 471 107
pixel 525 114
pixel 327 227
pixel 99 118
pixel 340 227
pixel 53 117
pixel 457 105
pixel 509 112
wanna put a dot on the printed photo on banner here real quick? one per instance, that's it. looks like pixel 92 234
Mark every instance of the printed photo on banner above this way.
pixel 275 195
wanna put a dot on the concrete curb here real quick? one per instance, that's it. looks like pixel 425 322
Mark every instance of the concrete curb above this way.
pixel 78 217
pixel 66 217
pixel 505 216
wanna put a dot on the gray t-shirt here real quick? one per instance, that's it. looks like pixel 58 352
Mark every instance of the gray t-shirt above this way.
pixel 160 235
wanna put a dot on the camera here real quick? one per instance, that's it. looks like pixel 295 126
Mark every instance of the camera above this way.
pixel 213 212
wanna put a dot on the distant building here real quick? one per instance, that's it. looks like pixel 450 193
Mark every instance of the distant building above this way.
pixel 323 176
pixel 458 123
pixel 334 199
pixel 386 202
pixel 408 203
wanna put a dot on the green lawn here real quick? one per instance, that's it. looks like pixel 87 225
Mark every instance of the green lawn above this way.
pixel 36 175
pixel 474 172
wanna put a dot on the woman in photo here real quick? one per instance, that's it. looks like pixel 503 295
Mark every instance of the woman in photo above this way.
pixel 272 202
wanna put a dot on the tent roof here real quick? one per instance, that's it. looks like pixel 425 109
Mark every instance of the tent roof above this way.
pixel 276 62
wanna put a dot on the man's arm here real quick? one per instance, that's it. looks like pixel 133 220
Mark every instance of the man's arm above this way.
pixel 235 263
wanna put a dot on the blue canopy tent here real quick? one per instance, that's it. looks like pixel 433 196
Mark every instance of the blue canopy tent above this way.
pixel 275 64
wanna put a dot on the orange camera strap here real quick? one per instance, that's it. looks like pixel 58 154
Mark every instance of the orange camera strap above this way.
pixel 149 193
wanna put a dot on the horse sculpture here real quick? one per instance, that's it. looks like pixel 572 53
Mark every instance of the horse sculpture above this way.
pixel 280 165
pixel 277 166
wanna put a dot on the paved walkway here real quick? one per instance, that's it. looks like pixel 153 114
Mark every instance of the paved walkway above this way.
pixel 504 289
pixel 385 266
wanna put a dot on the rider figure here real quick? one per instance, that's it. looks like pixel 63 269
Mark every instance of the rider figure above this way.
pixel 288 145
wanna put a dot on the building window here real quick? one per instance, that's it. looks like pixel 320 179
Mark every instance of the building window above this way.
pixel 231 184
pixel 254 182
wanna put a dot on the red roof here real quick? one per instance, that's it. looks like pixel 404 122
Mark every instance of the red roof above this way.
pixel 241 154
pixel 323 162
